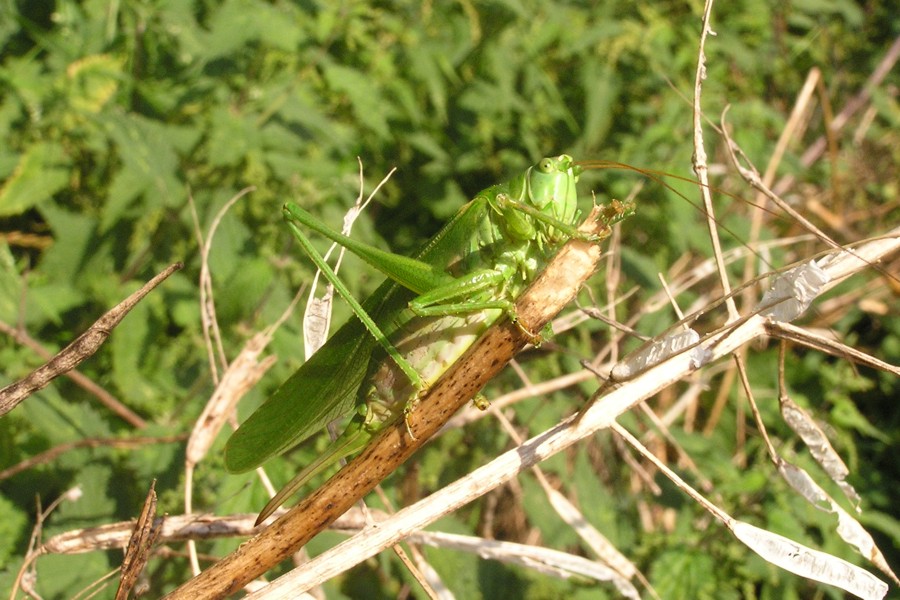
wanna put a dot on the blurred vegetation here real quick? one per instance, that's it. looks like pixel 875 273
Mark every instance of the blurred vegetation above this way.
pixel 116 115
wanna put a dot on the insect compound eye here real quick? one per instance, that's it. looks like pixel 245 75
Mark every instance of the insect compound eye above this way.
pixel 546 165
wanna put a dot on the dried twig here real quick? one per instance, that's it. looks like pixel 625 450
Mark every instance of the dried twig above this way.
pixel 700 163
pixel 144 535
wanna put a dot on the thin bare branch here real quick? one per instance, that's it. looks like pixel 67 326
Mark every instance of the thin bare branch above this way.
pixel 701 167
pixel 82 348
pixel 787 331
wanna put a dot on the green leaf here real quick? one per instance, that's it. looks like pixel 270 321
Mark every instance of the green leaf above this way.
pixel 233 136
pixel 150 166
pixel 74 235
pixel 235 23
pixel 368 105
pixel 61 420
pixel 602 88
pixel 686 573
pixel 12 527
pixel 129 346
pixel 41 172
pixel 10 286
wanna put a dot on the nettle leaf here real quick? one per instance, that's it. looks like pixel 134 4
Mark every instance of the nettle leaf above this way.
pixel 149 166
pixel 227 254
pixel 232 138
pixel 12 525
pixel 59 419
pixel 128 346
pixel 430 68
pixel 41 172
pixel 239 22
pixel 304 113
pixel 10 286
pixel 31 82
pixel 246 288
pixel 69 572
pixel 601 94
pixel 683 573
pixel 49 299
pixel 73 239
pixel 368 104
pixel 95 480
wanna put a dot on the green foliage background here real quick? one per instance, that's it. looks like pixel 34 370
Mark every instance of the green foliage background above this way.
pixel 114 114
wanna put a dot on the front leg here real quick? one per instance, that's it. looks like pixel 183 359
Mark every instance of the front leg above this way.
pixel 482 290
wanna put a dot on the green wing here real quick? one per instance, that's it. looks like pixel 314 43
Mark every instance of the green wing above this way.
pixel 321 390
